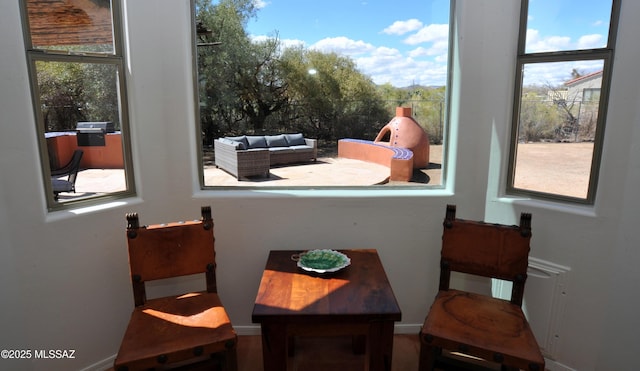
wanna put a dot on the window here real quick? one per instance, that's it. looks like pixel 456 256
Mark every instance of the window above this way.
pixel 565 57
pixel 74 52
pixel 591 94
pixel 263 71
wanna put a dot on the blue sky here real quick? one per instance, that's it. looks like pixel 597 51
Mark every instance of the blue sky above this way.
pixel 405 44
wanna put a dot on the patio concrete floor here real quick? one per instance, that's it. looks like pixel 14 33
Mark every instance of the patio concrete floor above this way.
pixel 324 172
pixel 327 171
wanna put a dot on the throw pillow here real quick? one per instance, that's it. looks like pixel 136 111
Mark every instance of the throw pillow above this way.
pixel 276 140
pixel 256 141
pixel 295 139
pixel 242 139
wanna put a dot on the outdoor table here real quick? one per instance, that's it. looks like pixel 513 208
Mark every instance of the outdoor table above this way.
pixel 357 301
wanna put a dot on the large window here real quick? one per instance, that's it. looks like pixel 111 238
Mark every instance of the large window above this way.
pixel 336 77
pixel 565 57
pixel 76 66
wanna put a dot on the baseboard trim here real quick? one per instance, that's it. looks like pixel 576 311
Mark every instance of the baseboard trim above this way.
pixel 552 365
pixel 247 330
pixel 407 328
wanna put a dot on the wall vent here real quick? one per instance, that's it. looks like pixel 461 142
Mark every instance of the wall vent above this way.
pixel 545 297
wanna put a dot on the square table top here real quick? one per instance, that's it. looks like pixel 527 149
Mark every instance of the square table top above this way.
pixel 359 292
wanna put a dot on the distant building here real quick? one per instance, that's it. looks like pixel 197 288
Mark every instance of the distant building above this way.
pixel 583 94
pixel 584 88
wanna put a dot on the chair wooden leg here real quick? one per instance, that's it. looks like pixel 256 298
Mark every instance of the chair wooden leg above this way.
pixel 231 360
pixel 224 361
pixel 291 346
pixel 427 358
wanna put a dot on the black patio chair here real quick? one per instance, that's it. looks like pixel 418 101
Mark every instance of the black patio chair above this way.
pixel 75 159
pixel 70 170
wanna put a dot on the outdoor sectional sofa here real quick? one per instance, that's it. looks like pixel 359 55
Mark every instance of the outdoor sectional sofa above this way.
pixel 249 155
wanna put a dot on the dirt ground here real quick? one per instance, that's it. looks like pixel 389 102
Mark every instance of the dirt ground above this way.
pixel 559 168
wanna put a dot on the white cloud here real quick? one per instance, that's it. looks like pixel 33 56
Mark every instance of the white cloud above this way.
pixel 259 4
pixel 291 43
pixel 388 65
pixel 419 52
pixel 342 45
pixel 424 65
pixel 537 44
pixel 437 48
pixel 259 38
pixel 386 51
pixel 430 33
pixel 557 42
pixel 402 27
pixel 402 71
pixel 591 42
pixel 286 43
pixel 557 73
pixel 532 35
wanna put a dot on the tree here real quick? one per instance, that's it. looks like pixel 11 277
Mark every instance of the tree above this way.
pixel 539 117
pixel 262 90
pixel 393 97
pixel 333 99
pixel 220 63
pixel 428 111
pixel 73 92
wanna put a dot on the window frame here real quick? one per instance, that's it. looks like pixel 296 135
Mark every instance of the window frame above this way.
pixel 606 54
pixel 116 59
pixel 390 190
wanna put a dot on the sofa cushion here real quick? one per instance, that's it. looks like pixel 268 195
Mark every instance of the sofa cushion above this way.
pixel 302 148
pixel 256 141
pixel 276 140
pixel 236 144
pixel 295 139
pixel 242 139
pixel 280 149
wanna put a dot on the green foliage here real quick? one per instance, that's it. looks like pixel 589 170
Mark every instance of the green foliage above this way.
pixel 73 92
pixel 427 105
pixel 332 98
pixel 562 118
pixel 539 118
pixel 220 64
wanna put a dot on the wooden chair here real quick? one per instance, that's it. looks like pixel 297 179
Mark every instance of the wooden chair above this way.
pixel 492 329
pixel 175 330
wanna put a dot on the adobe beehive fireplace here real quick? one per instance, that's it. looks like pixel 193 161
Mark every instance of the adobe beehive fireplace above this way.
pixel 405 132
pixel 407 147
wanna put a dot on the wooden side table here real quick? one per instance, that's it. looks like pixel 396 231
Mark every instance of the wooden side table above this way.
pixel 357 300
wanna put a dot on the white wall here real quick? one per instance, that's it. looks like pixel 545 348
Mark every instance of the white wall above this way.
pixel 64 275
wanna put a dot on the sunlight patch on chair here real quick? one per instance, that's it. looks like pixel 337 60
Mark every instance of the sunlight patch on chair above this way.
pixel 210 318
pixel 189 295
